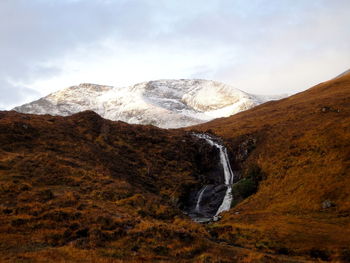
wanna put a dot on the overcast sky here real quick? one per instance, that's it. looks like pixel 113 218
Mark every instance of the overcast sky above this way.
pixel 259 46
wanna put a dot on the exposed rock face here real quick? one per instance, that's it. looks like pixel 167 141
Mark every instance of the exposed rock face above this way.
pixel 163 103
pixel 327 204
pixel 210 200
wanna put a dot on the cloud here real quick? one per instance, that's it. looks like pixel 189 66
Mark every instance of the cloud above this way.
pixel 259 46
pixel 12 94
pixel 295 55
pixel 35 35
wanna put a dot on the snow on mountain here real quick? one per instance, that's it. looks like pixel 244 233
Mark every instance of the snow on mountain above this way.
pixel 163 103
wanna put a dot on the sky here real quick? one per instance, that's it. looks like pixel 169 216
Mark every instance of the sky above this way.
pixel 258 46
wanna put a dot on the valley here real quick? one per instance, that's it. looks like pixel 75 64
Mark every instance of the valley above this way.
pixel 82 188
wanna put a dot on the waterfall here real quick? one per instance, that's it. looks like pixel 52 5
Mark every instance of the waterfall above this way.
pixel 200 198
pixel 228 174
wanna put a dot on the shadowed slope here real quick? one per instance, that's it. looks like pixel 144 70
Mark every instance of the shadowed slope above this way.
pixel 83 182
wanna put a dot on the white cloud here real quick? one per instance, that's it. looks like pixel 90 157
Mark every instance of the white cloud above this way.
pixel 259 46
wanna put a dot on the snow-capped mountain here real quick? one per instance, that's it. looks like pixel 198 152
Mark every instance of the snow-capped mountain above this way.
pixel 163 103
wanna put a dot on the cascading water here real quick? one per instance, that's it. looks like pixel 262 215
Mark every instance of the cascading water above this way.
pixel 226 203
pixel 228 180
pixel 200 198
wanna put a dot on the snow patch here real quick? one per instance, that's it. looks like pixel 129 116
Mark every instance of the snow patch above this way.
pixel 163 103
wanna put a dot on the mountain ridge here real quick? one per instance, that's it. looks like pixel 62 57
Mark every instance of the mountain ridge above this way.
pixel 164 103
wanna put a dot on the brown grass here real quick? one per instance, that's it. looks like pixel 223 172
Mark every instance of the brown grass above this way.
pixel 84 189
pixel 303 148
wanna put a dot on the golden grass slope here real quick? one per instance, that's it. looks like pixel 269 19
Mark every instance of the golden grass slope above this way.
pixel 85 189
pixel 303 148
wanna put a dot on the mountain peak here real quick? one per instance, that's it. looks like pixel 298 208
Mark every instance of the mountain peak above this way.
pixel 166 103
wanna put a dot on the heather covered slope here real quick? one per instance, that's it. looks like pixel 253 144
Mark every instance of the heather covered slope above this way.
pixel 85 189
pixel 302 146
pixel 82 183
pixel 81 188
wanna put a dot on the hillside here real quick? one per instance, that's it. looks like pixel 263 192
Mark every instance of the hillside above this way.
pixel 85 189
pixel 163 103
pixel 83 182
pixel 82 188
pixel 302 146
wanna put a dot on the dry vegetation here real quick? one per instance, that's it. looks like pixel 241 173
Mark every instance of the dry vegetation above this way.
pixel 84 189
pixel 303 149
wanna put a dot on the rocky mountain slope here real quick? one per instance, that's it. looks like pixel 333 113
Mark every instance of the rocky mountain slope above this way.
pixel 82 188
pixel 163 103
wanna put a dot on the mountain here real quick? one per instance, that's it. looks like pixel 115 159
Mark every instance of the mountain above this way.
pixel 83 188
pixel 163 103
